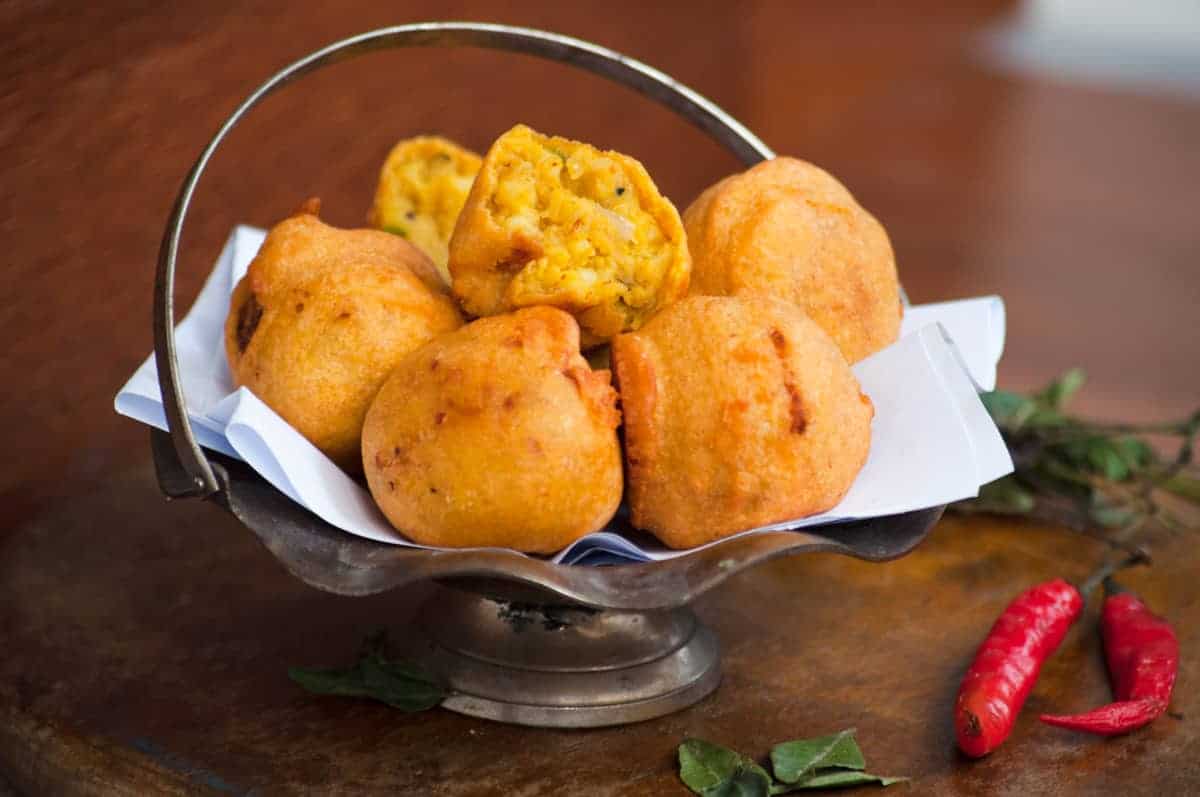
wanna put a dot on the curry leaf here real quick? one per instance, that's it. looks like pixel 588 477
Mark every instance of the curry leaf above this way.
pixel 1080 473
pixel 1105 458
pixel 1007 409
pixel 1005 496
pixel 833 778
pixel 330 682
pixel 374 676
pixel 794 760
pixel 1135 452
pixel 1056 394
pixel 711 770
pixel 1183 486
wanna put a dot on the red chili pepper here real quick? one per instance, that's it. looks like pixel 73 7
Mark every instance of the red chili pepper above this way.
pixel 1008 662
pixel 1143 658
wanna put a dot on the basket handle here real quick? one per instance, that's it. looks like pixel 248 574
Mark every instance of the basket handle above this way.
pixel 192 475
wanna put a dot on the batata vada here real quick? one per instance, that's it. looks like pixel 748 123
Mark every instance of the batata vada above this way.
pixel 738 412
pixel 320 319
pixel 422 187
pixel 789 230
pixel 557 222
pixel 497 434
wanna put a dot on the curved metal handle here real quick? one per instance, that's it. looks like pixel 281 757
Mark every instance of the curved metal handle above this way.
pixel 200 480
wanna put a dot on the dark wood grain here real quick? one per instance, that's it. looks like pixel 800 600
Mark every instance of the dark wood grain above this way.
pixel 149 640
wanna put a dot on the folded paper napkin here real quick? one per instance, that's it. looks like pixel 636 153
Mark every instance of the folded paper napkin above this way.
pixel 932 442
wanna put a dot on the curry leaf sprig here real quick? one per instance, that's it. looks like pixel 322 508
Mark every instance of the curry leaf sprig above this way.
pixel 375 676
pixel 711 770
pixel 1103 479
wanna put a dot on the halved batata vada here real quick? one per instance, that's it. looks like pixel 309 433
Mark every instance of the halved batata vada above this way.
pixel 556 222
pixel 422 187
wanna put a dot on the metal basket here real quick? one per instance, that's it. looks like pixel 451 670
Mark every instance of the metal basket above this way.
pixel 516 638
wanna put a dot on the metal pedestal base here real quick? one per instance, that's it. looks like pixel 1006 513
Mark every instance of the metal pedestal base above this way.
pixel 564 666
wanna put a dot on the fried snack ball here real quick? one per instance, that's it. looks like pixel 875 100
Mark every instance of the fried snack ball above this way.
pixel 321 318
pixel 497 434
pixel 787 229
pixel 739 412
pixel 557 222
pixel 422 187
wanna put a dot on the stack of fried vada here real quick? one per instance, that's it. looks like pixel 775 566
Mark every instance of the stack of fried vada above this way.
pixel 322 317
pixel 739 405
pixel 788 229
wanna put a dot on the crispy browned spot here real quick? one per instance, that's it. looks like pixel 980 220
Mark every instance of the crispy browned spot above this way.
pixel 342 316
pixel 795 408
pixel 778 341
pixel 392 487
pixel 439 418
pixel 249 314
pixel 299 307
pixel 795 403
pixel 510 401
pixel 518 257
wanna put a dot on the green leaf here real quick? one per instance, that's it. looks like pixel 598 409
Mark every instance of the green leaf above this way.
pixel 1136 453
pixel 1056 394
pixel 833 778
pixel 398 684
pixel 1007 409
pixel 1045 418
pixel 1074 451
pixel 348 683
pixel 1106 459
pixel 746 782
pixel 711 770
pixel 794 760
pixel 1111 514
pixel 1183 486
pixel 1004 496
pixel 394 230
pixel 1063 476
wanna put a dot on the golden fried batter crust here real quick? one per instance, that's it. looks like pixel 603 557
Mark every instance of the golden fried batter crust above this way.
pixel 320 319
pixel 789 230
pixel 739 412
pixel 497 434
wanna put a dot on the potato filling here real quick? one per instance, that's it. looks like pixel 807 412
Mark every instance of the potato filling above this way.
pixel 584 237
pixel 422 191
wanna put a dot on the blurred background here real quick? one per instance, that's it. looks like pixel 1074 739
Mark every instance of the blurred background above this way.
pixel 1045 150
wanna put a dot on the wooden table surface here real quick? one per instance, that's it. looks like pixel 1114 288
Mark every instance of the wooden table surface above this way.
pixel 144 644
